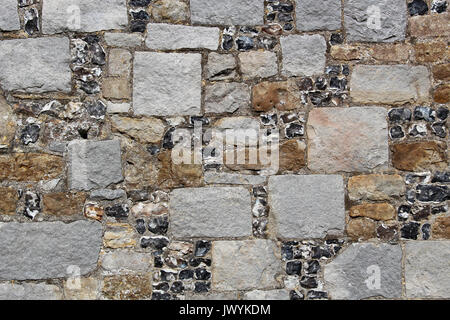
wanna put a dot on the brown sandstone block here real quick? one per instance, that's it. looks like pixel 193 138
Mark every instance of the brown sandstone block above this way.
pixel 441 228
pixel 64 203
pixel 9 198
pixel 361 228
pixel 30 166
pixel 419 156
pixel 376 211
pixel 433 25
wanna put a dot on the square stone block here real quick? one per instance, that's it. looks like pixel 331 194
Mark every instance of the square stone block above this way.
pixel 9 16
pixel 347 139
pixel 167 83
pixel 318 15
pixel 307 206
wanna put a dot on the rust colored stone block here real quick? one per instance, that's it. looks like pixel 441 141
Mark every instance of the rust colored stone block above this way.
pixel 419 156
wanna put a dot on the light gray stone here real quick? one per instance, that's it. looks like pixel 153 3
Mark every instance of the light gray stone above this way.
pixel 347 139
pixel 390 84
pixel 228 12
pixel 112 107
pixel 29 291
pixel 318 15
pixel 162 36
pixel 43 250
pixel 210 212
pixel 303 55
pixel 83 15
pixel 427 269
pixel 9 16
pixel 123 39
pixel 108 194
pixel 49 71
pixel 125 261
pixel 220 66
pixel 212 296
pixel 226 97
pixel 254 64
pixel 94 164
pixel 365 270
pixel 238 128
pixel 167 83
pixel 233 178
pixel 245 265
pixel 375 20
pixel 307 206
pixel 280 294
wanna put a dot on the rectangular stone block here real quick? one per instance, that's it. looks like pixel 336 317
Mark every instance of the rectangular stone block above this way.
pixel 210 212
pixel 228 12
pixel 30 166
pixel 307 206
pixel 303 55
pixel 318 15
pixel 393 84
pixel 115 39
pixel 29 291
pixel 262 64
pixel 167 83
pixel 83 15
pixel 9 16
pixel 430 25
pixel 161 36
pixel 35 65
pixel 125 261
pixel 245 265
pixel 44 250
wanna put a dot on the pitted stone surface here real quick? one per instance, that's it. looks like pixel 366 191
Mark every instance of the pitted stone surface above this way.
pixel 126 261
pixel 303 55
pixel 213 212
pixel 245 265
pixel 280 294
pixel 123 39
pixel 9 16
pixel 29 291
pixel 426 269
pixel 261 64
pixel 167 83
pixel 375 20
pixel 94 164
pixel 49 70
pixel 228 12
pixel 42 250
pixel 318 15
pixel 347 139
pixel 354 274
pixel 83 15
pixel 307 206
pixel 223 97
pixel 163 36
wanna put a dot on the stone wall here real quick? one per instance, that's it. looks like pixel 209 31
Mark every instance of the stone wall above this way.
pixel 93 204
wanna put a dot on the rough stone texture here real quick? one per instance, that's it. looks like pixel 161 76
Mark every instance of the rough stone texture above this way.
pixel 85 289
pixel 83 15
pixel 376 211
pixel 127 287
pixel 123 39
pixel 50 68
pixel 119 235
pixel 430 51
pixel 318 15
pixel 163 36
pixel 433 25
pixel 303 55
pixel 347 139
pixel 426 269
pixel 174 11
pixel 441 72
pixel 375 187
pixel 144 130
pixel 245 265
pixel 29 291
pixel 393 84
pixel 119 62
pixel 307 206
pixel 233 178
pixel 7 124
pixel 172 174
pixel 280 294
pixel 282 95
pixel 226 97
pixel 94 164
pixel 442 94
pixel 361 229
pixel 123 107
pixel 108 194
pixel 64 204
pixel 419 156
pixel 30 167
pixel 210 212
pixel 441 228
pixel 262 64
pixel 116 88
pixel 9 198
pixel 9 16
pixel 167 83
pixel 125 261
pixel 221 66
pixel 292 155
pixel 360 20
pixel 48 249
pixel 228 12
pixel 350 275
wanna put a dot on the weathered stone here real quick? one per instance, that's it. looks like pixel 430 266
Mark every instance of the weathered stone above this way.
pixel 233 178
pixel 81 289
pixel 375 187
pixel 123 107
pixel 391 52
pixel 292 155
pixel 127 287
pixel 220 66
pixel 116 88
pixel 7 124
pixel 283 96
pixel 307 206
pixel 441 228
pixel 119 235
pixel 348 52
pixel 108 194
pixel 314 15
pixel 163 36
pixel 228 12
pixel 119 62
pixel 279 294
pixel 29 291
pixel 30 167
pixel 226 97
pixel 144 130
pixel 9 16
pixel 125 261
pixel 262 64
pixel 210 212
pixel 442 94
pixel 48 249
pixel 376 211
pixel 434 51
pixel 425 269
pixel 433 25
pixel 303 55
pixel 50 68
pixel 93 211
pixel 361 229
pixel 441 72
pixel 245 265
pixel 123 39
pixel 9 198
pixel 174 11
pixel 347 139
pixel 83 15
pixel 393 84
pixel 61 203
pixel 167 83
pixel 172 174
pixel 375 20
pixel 419 156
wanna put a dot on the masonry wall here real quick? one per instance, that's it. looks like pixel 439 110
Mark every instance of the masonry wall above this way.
pixel 93 204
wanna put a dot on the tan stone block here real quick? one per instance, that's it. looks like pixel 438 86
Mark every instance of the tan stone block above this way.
pixel 280 95
pixel 441 228
pixel 348 52
pixel 119 63
pixel 442 94
pixel 145 130
pixel 376 211
pixel 64 203
pixel 30 166
pixel 398 52
pixel 127 287
pixel 419 156
pixel 9 198
pixel 430 51
pixel 81 289
pixel 375 187
pixel 361 228
pixel 116 88
pixel 432 25
pixel 7 124
pixel 119 235
pixel 292 155
pixel 172 175
pixel 441 72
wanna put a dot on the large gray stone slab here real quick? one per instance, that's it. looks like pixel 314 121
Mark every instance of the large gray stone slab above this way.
pixel 83 15
pixel 365 270
pixel 307 206
pixel 94 164
pixel 167 83
pixel 245 265
pixel 318 15
pixel 228 12
pixel 29 291
pixel 35 65
pixel 9 16
pixel 427 269
pixel 210 212
pixel 44 250
pixel 375 20
pixel 226 97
